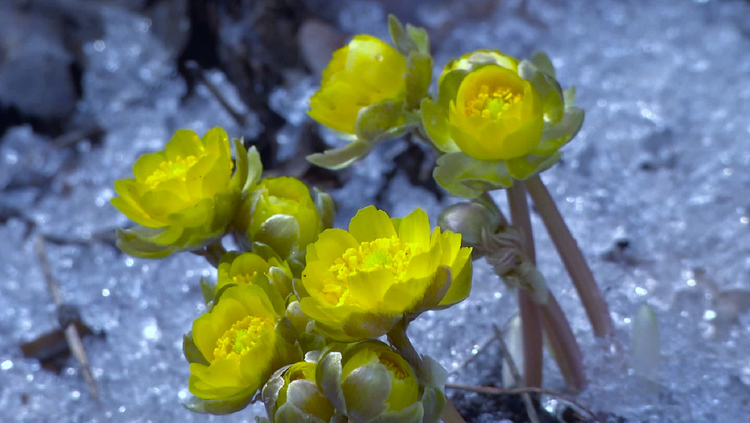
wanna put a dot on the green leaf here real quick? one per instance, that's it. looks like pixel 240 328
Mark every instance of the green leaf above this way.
pixel 530 165
pixel 411 414
pixel 191 351
pixel 401 39
pixel 468 177
pixel 548 87
pixel 556 135
pixel 239 179
pixel 207 289
pixel 418 77
pixel 255 168
pixel 342 157
pixel 135 242
pixel 420 37
pixel 326 208
pixel 569 95
pixel 543 63
pixel 376 122
pixel 220 406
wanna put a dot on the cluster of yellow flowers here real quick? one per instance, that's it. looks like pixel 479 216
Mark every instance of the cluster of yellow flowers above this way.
pixel 496 119
pixel 296 313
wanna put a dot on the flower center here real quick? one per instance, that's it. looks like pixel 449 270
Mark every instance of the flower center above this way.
pixel 241 337
pixel 167 170
pixel 490 104
pixel 395 368
pixel 382 253
pixel 244 278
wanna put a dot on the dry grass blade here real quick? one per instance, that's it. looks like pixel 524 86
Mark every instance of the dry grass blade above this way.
pixel 71 333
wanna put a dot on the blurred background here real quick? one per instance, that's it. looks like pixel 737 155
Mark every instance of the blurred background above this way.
pixel 655 188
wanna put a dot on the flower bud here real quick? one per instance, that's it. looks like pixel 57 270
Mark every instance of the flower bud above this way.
pixel 368 381
pixel 274 276
pixel 291 396
pixel 281 214
pixel 471 219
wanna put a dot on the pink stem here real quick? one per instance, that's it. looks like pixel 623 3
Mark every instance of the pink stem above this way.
pixel 578 269
pixel 531 324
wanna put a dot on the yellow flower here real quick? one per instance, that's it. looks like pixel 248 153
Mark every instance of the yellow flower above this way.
pixel 291 396
pixel 238 348
pixel 367 71
pixel 496 115
pixel 371 92
pixel 359 283
pixel 273 275
pixel 497 119
pixel 183 197
pixel 280 213
pixel 369 380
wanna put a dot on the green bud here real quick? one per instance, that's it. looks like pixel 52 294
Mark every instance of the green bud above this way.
pixel 471 219
pixel 291 395
pixel 370 382
pixel 326 209
pixel 645 356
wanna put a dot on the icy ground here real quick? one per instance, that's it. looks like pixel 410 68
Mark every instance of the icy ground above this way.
pixel 655 188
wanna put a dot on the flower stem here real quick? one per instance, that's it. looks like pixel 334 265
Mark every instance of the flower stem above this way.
pixel 450 413
pixel 567 352
pixel 530 318
pixel 212 253
pixel 562 341
pixel 578 269
pixel 398 339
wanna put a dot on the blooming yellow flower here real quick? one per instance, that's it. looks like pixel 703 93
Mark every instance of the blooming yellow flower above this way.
pixel 239 349
pixel 359 283
pixel 371 91
pixel 368 381
pixel 497 119
pixel 184 196
pixel 251 269
pixel 280 213
pixel 367 71
pixel 291 396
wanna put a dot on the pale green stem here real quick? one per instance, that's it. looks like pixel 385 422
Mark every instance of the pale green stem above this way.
pixel 578 269
pixel 400 341
pixel 530 319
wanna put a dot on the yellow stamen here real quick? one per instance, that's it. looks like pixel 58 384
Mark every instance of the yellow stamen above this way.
pixel 241 337
pixel 167 170
pixel 490 105
pixel 395 368
pixel 382 253
pixel 244 278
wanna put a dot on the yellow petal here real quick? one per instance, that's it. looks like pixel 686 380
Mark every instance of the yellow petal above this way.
pixel 415 228
pixel 370 224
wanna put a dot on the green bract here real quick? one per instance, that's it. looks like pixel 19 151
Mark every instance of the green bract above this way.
pixel 291 396
pixel 496 120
